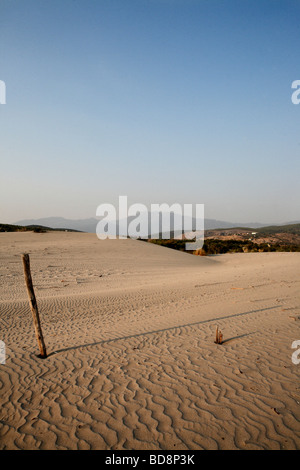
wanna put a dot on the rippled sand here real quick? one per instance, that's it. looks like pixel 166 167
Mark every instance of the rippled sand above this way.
pixel 130 329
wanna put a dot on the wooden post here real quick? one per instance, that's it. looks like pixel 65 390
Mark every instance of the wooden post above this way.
pixel 219 336
pixel 33 305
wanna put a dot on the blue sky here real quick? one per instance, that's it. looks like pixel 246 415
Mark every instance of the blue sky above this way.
pixel 185 101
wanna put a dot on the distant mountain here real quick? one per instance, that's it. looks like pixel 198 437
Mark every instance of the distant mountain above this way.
pixel 89 225
pixel 83 225
pixel 212 224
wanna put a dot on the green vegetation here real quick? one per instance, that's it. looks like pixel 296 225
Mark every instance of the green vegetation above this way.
pixel 172 243
pixel 31 228
pixel 216 247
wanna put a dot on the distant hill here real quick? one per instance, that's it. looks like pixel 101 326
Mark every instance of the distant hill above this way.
pixel 89 225
pixel 81 225
pixel 293 228
pixel 30 228
pixel 287 236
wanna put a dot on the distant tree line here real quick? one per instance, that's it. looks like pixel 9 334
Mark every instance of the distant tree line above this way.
pixel 31 228
pixel 216 247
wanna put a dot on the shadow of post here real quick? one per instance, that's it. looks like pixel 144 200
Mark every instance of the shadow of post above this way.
pixel 107 341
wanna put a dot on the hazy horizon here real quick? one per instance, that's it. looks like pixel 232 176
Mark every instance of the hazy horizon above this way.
pixel 183 101
pixel 250 222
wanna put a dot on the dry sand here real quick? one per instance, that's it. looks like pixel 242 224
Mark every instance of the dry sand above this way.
pixel 129 328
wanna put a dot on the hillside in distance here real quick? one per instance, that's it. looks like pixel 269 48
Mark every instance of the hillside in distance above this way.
pixel 284 238
pixel 89 225
pixel 31 228
pixel 284 234
pixel 280 234
pixel 81 225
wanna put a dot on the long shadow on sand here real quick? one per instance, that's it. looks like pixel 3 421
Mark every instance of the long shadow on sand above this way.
pixel 72 348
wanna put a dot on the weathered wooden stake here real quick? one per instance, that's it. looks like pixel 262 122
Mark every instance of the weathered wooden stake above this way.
pixel 33 305
pixel 219 336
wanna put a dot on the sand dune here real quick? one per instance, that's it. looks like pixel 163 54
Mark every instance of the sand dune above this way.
pixel 129 328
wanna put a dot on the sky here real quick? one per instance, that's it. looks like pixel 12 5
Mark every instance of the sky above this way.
pixel 164 101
